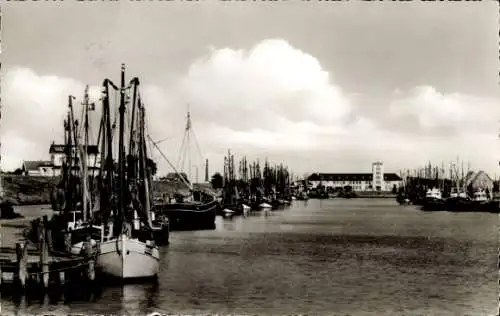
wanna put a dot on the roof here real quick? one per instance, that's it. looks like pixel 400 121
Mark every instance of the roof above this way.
pixel 35 164
pixel 472 176
pixel 60 149
pixel 351 177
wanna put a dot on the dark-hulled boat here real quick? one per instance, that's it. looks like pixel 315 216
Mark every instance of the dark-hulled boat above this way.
pixel 199 213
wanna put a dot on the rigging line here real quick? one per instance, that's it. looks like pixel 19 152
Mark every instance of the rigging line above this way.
pixel 172 166
pixel 146 124
pixel 197 145
pixel 180 157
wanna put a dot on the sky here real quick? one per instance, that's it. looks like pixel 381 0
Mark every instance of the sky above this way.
pixel 319 86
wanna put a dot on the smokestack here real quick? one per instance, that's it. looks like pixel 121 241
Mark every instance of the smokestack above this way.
pixel 206 171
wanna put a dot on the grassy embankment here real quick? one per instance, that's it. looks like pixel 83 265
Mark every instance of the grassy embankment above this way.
pixel 27 190
pixel 32 190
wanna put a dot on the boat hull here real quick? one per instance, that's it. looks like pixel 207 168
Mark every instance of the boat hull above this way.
pixel 189 216
pixel 126 258
pixel 433 204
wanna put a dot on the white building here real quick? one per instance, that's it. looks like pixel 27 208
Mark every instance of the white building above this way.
pixel 37 168
pixel 377 180
pixel 58 156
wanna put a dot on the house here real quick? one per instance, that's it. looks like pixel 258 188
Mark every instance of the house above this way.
pixel 37 168
pixel 478 181
pixel 377 180
pixel 58 156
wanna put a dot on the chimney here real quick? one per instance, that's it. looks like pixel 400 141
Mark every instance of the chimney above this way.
pixel 206 171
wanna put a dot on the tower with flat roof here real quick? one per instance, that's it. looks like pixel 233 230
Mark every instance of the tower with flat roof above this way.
pixel 378 175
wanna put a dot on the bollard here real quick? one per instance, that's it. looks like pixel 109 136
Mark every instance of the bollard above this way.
pixel 44 254
pixel 22 272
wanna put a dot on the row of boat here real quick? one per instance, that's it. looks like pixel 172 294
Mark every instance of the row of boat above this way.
pixel 479 201
pixel 111 206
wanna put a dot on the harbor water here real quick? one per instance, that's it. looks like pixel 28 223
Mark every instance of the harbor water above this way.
pixel 322 257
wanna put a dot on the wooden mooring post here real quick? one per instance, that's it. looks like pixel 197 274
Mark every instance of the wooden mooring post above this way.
pixel 21 265
pixel 44 253
pixel 88 253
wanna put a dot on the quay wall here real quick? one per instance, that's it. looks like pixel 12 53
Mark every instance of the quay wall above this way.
pixel 375 195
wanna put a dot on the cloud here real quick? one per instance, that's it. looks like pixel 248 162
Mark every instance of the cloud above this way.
pixel 270 81
pixel 32 114
pixel 272 100
pixel 434 111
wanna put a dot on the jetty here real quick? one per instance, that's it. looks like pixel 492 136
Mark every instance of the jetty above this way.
pixel 33 263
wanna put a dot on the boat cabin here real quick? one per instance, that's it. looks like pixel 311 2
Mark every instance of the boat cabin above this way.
pixel 433 194
pixel 480 196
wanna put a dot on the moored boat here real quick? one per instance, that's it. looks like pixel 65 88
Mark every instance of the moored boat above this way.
pixel 128 249
pixel 434 201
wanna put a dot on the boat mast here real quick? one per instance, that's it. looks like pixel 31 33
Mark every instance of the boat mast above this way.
pixel 135 83
pixel 69 157
pixel 185 149
pixel 188 130
pixel 146 169
pixel 121 149
pixel 107 167
pixel 85 152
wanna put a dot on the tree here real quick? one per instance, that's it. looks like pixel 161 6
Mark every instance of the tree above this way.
pixel 152 165
pixel 394 189
pixel 496 187
pixel 217 181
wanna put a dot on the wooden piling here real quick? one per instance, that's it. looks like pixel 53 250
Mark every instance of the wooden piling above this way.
pixel 67 241
pixel 34 230
pixel 62 278
pixel 21 262
pixel 44 253
pixel 48 232
pixel 88 253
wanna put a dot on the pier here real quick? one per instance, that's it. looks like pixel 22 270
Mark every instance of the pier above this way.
pixel 33 265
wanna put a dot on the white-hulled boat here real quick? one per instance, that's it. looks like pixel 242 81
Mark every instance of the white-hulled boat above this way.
pixel 126 257
pixel 128 249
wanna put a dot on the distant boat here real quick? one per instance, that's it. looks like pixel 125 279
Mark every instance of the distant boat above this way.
pixel 434 200
pixel 227 211
pixel 265 206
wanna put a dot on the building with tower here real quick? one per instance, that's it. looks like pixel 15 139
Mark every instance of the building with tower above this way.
pixel 377 180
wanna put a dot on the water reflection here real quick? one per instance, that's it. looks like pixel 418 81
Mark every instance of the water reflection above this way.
pixel 348 257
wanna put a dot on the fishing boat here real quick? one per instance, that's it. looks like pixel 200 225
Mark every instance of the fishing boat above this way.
pixel 71 198
pixel 127 247
pixel 197 208
pixel 74 198
pixel 434 200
